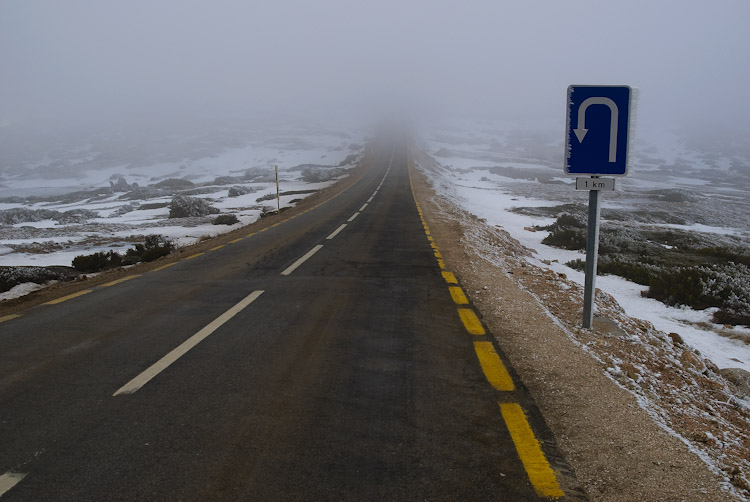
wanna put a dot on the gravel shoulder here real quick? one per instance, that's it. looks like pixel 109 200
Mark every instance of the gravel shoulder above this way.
pixel 622 431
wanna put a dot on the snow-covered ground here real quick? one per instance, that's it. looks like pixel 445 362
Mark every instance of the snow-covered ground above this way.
pixel 491 168
pixel 123 185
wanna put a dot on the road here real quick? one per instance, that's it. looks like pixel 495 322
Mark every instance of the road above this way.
pixel 322 359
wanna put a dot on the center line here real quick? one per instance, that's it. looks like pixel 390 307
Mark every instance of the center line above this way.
pixel 363 207
pixel 179 351
pixel 352 217
pixel 336 232
pixel 302 260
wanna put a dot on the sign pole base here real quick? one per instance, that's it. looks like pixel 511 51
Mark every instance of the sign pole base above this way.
pixel 592 255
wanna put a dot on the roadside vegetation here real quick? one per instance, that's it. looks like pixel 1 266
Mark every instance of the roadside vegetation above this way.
pixel 153 248
pixel 679 267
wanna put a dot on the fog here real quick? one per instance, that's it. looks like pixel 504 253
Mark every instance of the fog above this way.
pixel 91 63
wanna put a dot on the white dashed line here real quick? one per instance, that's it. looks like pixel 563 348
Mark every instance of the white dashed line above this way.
pixel 182 349
pixel 363 207
pixel 9 480
pixel 302 260
pixel 336 232
pixel 351 219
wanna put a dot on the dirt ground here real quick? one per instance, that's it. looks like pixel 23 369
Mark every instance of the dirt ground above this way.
pixel 589 383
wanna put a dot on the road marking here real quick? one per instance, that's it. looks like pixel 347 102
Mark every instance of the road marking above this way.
pixel 441 264
pixel 196 255
pixel 9 480
pixel 251 234
pixel 336 232
pixel 182 349
pixel 471 321
pixel 537 468
pixel 236 240
pixel 69 297
pixel 9 317
pixel 363 207
pixel 449 277
pixel 118 281
pixel 370 199
pixel 437 254
pixel 291 268
pixel 165 266
pixel 458 295
pixel 493 367
pixel 352 217
pixel 218 247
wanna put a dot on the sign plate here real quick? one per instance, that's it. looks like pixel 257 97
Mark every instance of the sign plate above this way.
pixel 595 183
pixel 598 120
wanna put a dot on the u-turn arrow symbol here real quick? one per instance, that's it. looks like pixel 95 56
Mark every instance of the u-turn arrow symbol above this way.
pixel 614 116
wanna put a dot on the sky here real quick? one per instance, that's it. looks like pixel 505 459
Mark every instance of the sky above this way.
pixel 104 61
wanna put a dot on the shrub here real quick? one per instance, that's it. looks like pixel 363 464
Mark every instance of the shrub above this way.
pixel 226 219
pixel 566 238
pixel 97 262
pixel 183 207
pixel 153 248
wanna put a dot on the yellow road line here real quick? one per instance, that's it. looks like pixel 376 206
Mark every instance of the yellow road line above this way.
pixel 493 367
pixel 449 277
pixel 69 297
pixel 236 240
pixel 437 254
pixel 441 263
pixel 165 266
pixel 9 317
pixel 458 295
pixel 118 281
pixel 218 247
pixel 540 473
pixel 251 234
pixel 196 255
pixel 471 322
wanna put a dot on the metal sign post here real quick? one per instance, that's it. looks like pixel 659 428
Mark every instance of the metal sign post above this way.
pixel 598 123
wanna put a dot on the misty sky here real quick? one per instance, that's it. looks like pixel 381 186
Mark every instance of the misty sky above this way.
pixel 65 61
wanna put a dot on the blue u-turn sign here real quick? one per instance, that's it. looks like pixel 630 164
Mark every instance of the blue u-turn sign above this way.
pixel 597 130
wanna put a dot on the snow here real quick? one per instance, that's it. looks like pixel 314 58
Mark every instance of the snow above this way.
pixel 491 198
pixel 290 146
pixel 21 290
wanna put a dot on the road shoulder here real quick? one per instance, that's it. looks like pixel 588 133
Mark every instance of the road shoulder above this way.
pixel 617 450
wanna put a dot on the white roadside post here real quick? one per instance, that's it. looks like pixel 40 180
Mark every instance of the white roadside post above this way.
pixel 278 197
pixel 597 133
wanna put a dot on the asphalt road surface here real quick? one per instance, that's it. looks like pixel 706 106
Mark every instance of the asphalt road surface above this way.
pixel 322 359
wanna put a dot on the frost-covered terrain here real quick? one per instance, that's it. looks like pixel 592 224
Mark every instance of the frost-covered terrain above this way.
pixel 501 172
pixel 67 197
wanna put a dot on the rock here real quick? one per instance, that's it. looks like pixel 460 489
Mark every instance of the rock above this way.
pixel 185 207
pixel 738 378
pixel 676 339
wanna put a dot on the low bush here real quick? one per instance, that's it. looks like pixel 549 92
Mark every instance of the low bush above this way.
pixel 226 219
pixel 153 248
pixel 566 238
pixel 97 262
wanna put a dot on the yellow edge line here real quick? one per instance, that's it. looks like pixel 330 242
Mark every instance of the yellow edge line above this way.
pixel 236 240
pixel 9 317
pixel 449 277
pixel 118 281
pixel 196 255
pixel 458 295
pixel 164 266
pixel 218 247
pixel 69 297
pixel 537 468
pixel 471 322
pixel 494 369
